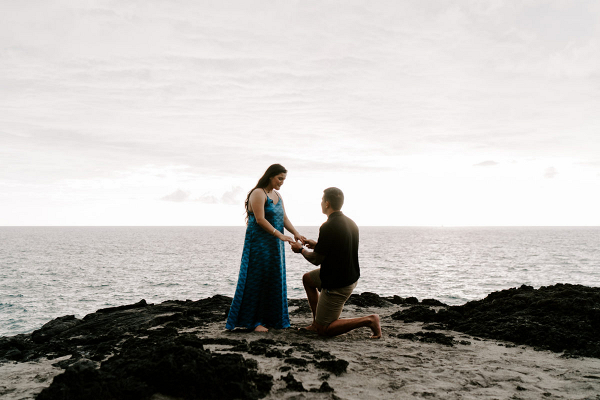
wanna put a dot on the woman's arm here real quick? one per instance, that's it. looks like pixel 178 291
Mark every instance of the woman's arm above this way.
pixel 288 225
pixel 257 206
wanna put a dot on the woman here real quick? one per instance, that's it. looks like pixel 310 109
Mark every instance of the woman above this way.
pixel 261 295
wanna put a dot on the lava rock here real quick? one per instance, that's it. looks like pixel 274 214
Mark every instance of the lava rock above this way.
pixel 179 368
pixel 292 383
pixel 300 362
pixel 54 328
pixel 302 306
pixel 368 299
pixel 337 367
pixel 325 388
pixel 433 302
pixel 560 318
pixel 139 304
pixel 415 313
pixel 395 300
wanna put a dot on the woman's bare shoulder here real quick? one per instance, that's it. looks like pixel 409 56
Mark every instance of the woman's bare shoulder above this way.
pixel 258 193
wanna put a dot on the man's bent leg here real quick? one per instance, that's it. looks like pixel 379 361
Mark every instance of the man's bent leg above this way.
pixel 347 324
pixel 329 309
pixel 312 285
pixel 330 306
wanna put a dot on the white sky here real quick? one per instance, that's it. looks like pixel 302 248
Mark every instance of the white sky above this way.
pixel 423 112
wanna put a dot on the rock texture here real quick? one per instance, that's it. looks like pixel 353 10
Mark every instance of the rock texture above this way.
pixel 560 318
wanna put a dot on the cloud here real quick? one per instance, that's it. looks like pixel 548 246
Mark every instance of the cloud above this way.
pixel 233 196
pixel 207 199
pixel 550 173
pixel 177 196
pixel 488 163
pixel 230 197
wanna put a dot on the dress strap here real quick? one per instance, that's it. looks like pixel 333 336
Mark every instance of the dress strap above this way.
pixel 266 194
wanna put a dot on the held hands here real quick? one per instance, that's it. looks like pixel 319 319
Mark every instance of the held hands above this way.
pixel 300 238
pixel 285 238
pixel 296 246
pixel 297 238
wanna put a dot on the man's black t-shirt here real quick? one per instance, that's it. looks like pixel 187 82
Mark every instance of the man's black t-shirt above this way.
pixel 338 242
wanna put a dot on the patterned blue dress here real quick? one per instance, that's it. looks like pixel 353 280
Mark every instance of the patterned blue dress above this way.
pixel 261 293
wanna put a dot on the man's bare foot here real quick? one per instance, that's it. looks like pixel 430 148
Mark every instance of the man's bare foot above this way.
pixel 311 328
pixel 375 326
pixel 260 328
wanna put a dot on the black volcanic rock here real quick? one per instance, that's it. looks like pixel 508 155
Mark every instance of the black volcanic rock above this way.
pixel 561 317
pixel 368 299
pixel 54 328
pixel 97 334
pixel 395 299
pixel 337 367
pixel 302 306
pixel 415 313
pixel 140 304
pixel 177 367
pixel 325 388
pixel 292 384
pixel 433 302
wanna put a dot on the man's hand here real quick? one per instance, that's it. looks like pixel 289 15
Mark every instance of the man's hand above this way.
pixel 300 238
pixel 296 247
pixel 310 243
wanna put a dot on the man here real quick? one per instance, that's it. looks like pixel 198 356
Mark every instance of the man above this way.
pixel 336 251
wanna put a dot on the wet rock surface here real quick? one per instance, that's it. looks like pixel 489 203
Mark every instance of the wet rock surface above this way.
pixel 560 318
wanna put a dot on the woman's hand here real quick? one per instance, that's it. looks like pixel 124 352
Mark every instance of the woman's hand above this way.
pixel 285 238
pixel 300 238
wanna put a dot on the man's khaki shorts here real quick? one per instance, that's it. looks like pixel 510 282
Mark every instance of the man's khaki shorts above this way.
pixel 331 301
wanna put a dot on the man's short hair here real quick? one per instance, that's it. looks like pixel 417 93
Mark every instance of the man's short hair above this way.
pixel 335 197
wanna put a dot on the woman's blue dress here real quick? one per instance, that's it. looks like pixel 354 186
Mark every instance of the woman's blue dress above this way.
pixel 261 293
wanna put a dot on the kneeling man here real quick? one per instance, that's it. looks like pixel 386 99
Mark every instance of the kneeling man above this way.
pixel 336 251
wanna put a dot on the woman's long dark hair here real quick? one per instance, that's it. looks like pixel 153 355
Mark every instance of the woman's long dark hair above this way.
pixel 263 182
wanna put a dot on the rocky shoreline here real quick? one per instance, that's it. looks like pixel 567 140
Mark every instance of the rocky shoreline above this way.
pixel 180 350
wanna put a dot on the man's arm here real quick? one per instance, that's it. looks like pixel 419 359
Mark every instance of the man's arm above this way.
pixel 310 256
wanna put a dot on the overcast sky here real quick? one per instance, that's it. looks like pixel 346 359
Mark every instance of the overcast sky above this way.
pixel 423 112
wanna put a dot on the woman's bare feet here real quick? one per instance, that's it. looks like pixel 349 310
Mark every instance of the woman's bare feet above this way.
pixel 260 328
pixel 375 326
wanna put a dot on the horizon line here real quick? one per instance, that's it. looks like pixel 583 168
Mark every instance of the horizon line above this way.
pixel 307 226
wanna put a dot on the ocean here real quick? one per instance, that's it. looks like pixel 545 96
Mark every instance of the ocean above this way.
pixel 47 272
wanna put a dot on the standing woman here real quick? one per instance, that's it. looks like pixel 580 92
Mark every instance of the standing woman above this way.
pixel 260 299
